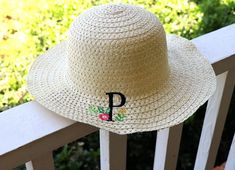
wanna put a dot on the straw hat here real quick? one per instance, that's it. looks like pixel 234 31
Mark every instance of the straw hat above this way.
pixel 119 71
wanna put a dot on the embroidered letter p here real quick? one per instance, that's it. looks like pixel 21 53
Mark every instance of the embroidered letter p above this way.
pixel 111 106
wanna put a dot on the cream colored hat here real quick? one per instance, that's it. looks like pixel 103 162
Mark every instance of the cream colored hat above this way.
pixel 118 71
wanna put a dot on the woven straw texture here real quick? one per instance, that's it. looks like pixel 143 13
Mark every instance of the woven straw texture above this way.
pixel 122 48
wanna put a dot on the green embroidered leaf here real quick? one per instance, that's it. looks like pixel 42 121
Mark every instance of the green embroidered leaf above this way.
pixel 120 117
pixel 100 109
pixel 107 110
pixel 93 110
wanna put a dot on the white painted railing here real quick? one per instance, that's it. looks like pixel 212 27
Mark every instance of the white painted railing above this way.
pixel 29 132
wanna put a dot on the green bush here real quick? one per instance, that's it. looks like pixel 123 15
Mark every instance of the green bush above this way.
pixel 29 28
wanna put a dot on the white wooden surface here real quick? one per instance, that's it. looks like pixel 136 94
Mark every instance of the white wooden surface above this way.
pixel 26 123
pixel 218 47
pixel 30 130
pixel 230 164
pixel 112 151
pixel 167 148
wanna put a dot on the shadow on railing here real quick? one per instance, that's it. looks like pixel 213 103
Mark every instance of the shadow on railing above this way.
pixel 47 131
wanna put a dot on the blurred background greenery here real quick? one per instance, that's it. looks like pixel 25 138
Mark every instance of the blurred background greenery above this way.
pixel 30 27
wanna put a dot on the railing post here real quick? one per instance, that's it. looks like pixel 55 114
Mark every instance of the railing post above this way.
pixel 112 151
pixel 230 164
pixel 213 125
pixel 167 148
pixel 44 162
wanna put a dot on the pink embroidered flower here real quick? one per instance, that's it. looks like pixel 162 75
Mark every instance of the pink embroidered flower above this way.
pixel 104 116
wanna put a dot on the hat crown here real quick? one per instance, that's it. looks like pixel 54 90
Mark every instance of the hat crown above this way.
pixel 117 47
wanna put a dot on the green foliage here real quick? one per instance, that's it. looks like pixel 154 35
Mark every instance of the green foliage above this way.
pixel 179 17
pixel 27 32
pixel 29 28
pixel 82 154
pixel 217 14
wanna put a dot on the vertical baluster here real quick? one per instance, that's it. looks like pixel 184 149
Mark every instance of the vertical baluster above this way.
pixel 112 151
pixel 213 125
pixel 167 148
pixel 230 164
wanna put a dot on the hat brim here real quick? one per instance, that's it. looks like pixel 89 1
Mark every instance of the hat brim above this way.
pixel 191 82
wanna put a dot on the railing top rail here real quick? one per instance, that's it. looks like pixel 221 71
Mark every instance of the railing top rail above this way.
pixel 26 123
pixel 30 130
pixel 218 47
